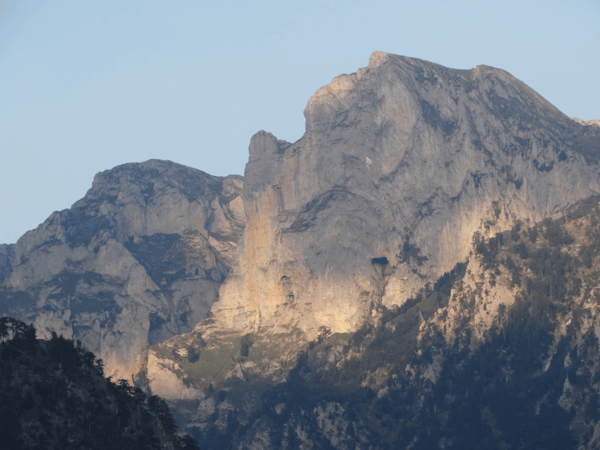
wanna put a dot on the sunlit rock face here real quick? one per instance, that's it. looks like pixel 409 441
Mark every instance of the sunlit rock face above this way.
pixel 400 164
pixel 138 260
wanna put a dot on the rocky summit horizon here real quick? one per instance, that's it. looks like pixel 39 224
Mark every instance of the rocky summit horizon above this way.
pixel 404 154
pixel 194 285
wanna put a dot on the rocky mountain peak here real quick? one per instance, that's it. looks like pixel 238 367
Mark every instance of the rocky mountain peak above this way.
pixel 403 160
pixel 587 122
pixel 143 176
pixel 137 260
pixel 383 220
pixel 377 58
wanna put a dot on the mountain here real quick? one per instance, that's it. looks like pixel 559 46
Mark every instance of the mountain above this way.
pixel 54 396
pixel 501 352
pixel 402 163
pixel 138 260
pixel 417 271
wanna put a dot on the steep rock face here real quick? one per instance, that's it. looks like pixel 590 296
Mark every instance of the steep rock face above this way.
pixel 501 352
pixel 139 259
pixel 400 164
pixel 6 256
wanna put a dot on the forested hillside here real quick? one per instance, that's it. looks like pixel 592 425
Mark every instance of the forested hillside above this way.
pixel 53 395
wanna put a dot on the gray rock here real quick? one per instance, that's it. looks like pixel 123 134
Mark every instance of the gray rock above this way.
pixel 401 163
pixel 138 260
pixel 6 257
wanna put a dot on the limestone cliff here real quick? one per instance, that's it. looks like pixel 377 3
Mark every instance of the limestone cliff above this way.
pixel 347 229
pixel 500 352
pixel 138 260
pixel 400 164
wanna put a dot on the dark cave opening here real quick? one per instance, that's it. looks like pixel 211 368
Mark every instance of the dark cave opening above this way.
pixel 382 261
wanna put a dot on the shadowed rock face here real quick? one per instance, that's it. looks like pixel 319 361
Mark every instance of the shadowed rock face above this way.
pixel 401 162
pixel 138 260
pixel 6 255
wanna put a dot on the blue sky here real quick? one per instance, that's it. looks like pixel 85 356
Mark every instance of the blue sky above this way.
pixel 85 86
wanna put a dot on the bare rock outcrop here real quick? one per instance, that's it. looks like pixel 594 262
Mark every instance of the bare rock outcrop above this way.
pixel 138 260
pixel 587 122
pixel 401 163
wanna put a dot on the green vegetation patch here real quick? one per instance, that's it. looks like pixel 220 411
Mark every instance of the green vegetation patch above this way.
pixel 212 361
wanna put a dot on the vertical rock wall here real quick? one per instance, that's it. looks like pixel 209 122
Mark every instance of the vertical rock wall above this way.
pixel 138 260
pixel 401 162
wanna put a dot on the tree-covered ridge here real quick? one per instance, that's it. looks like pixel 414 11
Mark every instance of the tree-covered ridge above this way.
pixel 502 352
pixel 53 395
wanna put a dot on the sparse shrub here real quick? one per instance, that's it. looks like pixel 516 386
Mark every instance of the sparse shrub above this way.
pixel 533 234
pixel 555 233
pixel 514 232
pixel 522 250
pixel 193 355
pixel 492 279
pixel 514 270
pixel 324 333
pixel 245 345
pixel 586 256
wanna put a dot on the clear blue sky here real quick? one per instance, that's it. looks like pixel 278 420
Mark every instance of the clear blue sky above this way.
pixel 87 85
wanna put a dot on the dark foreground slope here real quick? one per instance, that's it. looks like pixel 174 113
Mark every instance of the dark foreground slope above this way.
pixel 53 395
pixel 502 352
